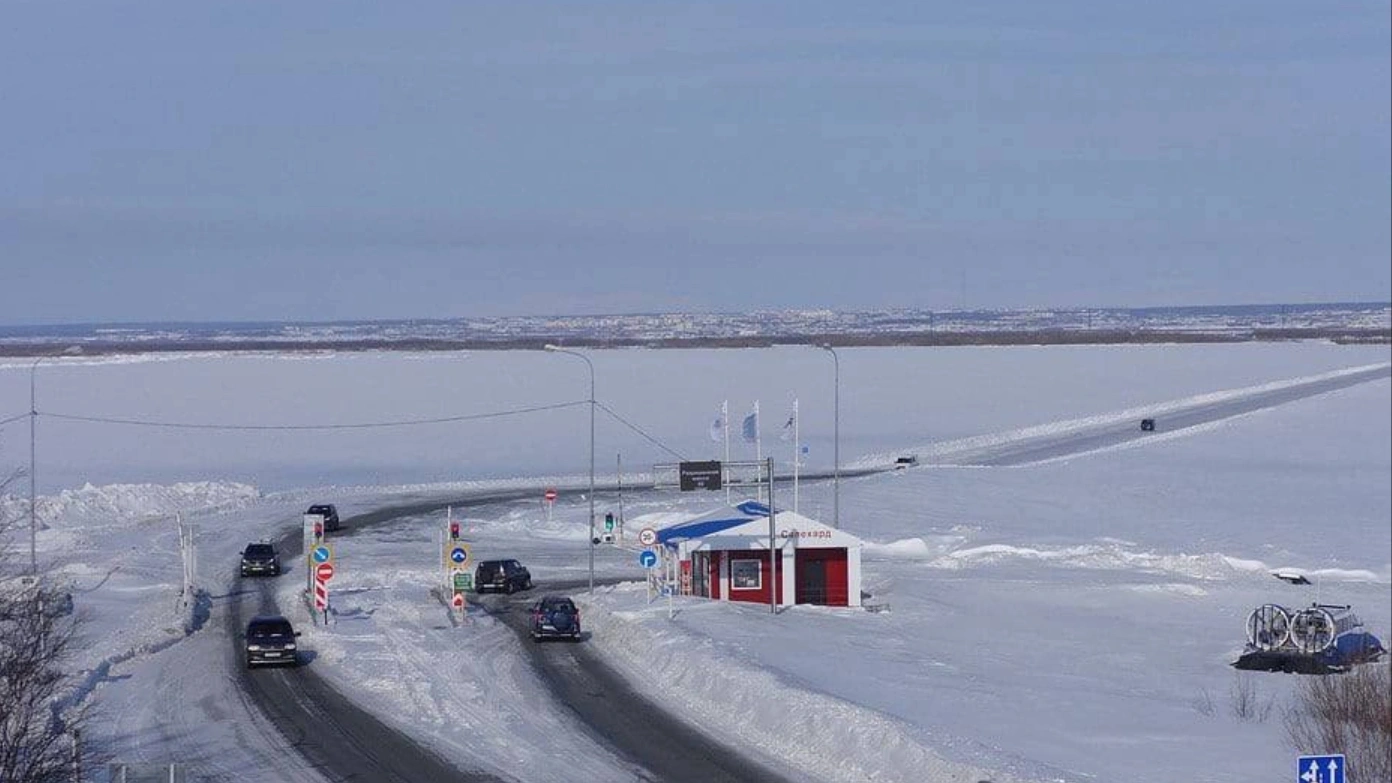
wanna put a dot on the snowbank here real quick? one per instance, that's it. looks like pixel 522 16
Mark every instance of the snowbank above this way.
pixel 731 695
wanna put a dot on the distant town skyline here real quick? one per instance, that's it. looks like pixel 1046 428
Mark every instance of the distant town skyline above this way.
pixel 318 162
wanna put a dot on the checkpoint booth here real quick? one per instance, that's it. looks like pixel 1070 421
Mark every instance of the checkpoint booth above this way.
pixel 724 555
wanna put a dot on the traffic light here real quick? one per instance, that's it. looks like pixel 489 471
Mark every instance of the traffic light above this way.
pixel 454 530
pixel 608 521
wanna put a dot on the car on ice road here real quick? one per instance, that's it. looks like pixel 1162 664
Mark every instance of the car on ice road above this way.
pixel 503 576
pixel 555 616
pixel 260 559
pixel 270 639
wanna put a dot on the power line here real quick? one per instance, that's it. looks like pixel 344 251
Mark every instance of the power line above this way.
pixel 285 427
pixel 639 430
pixel 349 426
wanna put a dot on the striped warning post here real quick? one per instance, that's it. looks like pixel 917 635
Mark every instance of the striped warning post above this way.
pixel 321 595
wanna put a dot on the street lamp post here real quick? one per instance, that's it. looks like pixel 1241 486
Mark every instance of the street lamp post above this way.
pixel 590 365
pixel 836 448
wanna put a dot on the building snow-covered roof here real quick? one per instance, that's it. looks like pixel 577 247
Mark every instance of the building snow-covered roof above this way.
pixel 750 520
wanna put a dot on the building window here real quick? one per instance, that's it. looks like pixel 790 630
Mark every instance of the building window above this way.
pixel 746 575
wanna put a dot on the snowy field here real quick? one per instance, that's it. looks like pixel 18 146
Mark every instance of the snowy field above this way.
pixel 1064 621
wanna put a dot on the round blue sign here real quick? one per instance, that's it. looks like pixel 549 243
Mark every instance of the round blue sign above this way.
pixel 647 558
pixel 321 554
pixel 459 554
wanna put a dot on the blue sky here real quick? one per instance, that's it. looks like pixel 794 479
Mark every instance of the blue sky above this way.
pixel 326 161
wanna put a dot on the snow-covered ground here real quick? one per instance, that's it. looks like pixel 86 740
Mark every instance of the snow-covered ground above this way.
pixel 1063 621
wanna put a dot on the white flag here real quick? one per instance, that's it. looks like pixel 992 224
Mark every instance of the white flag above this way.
pixel 717 428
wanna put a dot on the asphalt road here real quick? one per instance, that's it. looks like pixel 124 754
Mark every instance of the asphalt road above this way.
pixel 336 738
pixel 344 742
pixel 1074 442
pixel 661 747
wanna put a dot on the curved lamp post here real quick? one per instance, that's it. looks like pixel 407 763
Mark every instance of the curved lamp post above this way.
pixel 836 449
pixel 590 365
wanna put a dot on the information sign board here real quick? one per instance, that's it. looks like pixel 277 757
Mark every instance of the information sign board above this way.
pixel 699 475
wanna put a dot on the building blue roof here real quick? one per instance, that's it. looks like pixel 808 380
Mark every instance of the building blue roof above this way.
pixel 714 522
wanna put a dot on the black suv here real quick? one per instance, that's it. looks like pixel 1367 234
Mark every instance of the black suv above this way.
pixel 271 639
pixel 260 559
pixel 503 576
pixel 328 512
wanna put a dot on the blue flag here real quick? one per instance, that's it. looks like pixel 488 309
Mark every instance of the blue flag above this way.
pixel 750 428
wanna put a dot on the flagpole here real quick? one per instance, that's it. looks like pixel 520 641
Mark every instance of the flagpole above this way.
pixel 758 446
pixel 796 424
pixel 724 471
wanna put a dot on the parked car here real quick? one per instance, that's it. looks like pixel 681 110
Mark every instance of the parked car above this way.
pixel 260 559
pixel 330 514
pixel 1148 425
pixel 907 461
pixel 271 639
pixel 502 576
pixel 555 616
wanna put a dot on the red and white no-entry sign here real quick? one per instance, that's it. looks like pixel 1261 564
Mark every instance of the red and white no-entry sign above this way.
pixel 550 495
pixel 324 572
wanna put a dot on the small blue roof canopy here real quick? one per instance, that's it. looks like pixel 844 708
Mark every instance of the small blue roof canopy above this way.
pixel 713 522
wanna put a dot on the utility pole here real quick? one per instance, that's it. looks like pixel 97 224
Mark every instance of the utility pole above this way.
pixel 773 551
pixel 33 468
pixel 590 365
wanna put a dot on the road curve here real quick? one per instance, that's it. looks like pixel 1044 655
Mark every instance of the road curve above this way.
pixel 336 737
pixel 344 742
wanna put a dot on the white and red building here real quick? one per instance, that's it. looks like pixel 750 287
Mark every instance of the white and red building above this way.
pixel 724 555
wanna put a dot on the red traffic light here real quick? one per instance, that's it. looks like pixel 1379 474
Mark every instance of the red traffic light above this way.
pixel 454 530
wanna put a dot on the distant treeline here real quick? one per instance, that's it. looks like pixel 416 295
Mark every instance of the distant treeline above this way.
pixel 1339 335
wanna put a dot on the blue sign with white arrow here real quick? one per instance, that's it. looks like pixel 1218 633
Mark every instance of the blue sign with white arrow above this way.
pixel 322 554
pixel 1320 769
pixel 459 554
pixel 647 558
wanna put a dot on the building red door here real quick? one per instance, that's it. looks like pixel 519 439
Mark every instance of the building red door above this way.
pixel 821 577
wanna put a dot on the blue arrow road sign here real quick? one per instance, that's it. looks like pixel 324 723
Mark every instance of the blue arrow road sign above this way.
pixel 459 554
pixel 647 558
pixel 1320 769
pixel 321 554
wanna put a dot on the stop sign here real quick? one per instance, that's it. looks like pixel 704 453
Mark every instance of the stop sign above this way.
pixel 324 572
pixel 550 496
